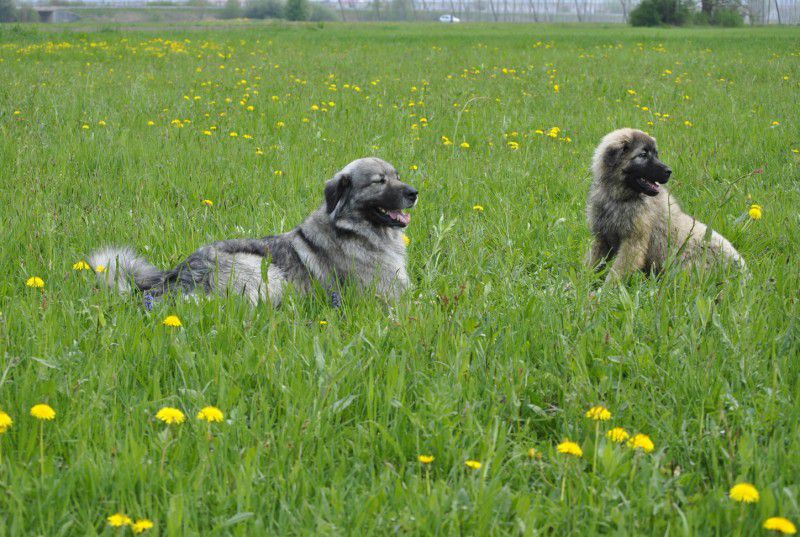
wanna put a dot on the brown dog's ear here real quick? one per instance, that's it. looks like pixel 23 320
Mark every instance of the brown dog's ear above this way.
pixel 615 151
pixel 336 192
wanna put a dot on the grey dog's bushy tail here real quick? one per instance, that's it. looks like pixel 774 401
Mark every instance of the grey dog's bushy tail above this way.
pixel 122 267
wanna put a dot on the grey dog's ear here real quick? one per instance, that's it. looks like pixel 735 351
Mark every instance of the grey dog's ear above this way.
pixel 336 192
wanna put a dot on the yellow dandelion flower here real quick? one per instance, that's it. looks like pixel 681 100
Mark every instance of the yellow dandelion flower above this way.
pixel 43 412
pixel 477 208
pixel 687 123
pixel 744 492
pixel 209 203
pixel 280 124
pixel 570 448
pixel 533 453
pixel 323 323
pixel 464 145
pixel 556 88
pixel 81 265
pixel 142 525
pixel 100 268
pixel 475 465
pixel 233 134
pixel 173 321
pixel 631 92
pixel 207 132
pixel 414 167
pixel 35 281
pixel 171 415
pixel 17 112
pixel 641 441
pixel 406 239
pixel 101 123
pixel 211 414
pixel 426 459
pixel 618 435
pixel 775 123
pixel 598 413
pixel 5 422
pixel 513 145
pixel 85 126
pixel 278 173
pixel 781 525
pixel 314 107
pixel 151 123
pixel 119 519
pixel 755 212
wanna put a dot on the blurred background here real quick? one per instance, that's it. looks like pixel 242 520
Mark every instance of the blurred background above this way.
pixel 637 12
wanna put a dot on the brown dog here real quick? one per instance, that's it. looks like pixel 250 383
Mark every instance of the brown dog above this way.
pixel 637 224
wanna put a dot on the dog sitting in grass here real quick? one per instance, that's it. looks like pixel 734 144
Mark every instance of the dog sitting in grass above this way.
pixel 355 236
pixel 636 223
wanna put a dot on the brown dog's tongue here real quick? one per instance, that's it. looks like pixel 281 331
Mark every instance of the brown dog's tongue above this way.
pixel 400 216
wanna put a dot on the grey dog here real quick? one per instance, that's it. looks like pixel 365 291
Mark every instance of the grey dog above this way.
pixel 356 235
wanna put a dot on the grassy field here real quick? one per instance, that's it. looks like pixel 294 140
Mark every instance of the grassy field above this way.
pixel 500 348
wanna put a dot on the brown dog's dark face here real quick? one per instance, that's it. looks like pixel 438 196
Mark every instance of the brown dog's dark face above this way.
pixel 370 189
pixel 644 171
pixel 634 156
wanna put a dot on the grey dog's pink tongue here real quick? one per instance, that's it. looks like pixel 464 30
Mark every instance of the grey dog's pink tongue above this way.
pixel 400 216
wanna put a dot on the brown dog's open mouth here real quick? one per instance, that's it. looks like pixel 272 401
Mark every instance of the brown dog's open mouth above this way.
pixel 394 217
pixel 651 188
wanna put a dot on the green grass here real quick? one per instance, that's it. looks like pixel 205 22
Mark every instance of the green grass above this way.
pixel 500 347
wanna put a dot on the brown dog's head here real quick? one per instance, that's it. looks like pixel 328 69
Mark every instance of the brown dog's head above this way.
pixel 369 190
pixel 626 161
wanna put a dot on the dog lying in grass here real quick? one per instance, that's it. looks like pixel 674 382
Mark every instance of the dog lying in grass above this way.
pixel 356 235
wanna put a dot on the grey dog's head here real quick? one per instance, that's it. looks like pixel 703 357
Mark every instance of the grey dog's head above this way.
pixel 369 189
pixel 627 162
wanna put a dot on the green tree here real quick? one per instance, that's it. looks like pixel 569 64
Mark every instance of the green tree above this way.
pixel 297 10
pixel 232 10
pixel 8 13
pixel 263 9
pixel 661 12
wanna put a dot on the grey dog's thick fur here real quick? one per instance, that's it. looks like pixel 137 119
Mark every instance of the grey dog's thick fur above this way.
pixel 634 231
pixel 349 238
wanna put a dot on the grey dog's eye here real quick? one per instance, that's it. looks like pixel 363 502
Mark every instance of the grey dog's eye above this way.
pixel 382 180
pixel 643 155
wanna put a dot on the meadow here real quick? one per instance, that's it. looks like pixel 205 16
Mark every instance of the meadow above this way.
pixel 497 353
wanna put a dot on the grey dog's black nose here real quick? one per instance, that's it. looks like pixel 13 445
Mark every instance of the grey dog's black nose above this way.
pixel 411 193
pixel 668 172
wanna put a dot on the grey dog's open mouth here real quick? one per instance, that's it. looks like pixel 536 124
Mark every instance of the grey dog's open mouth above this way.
pixel 651 188
pixel 396 216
